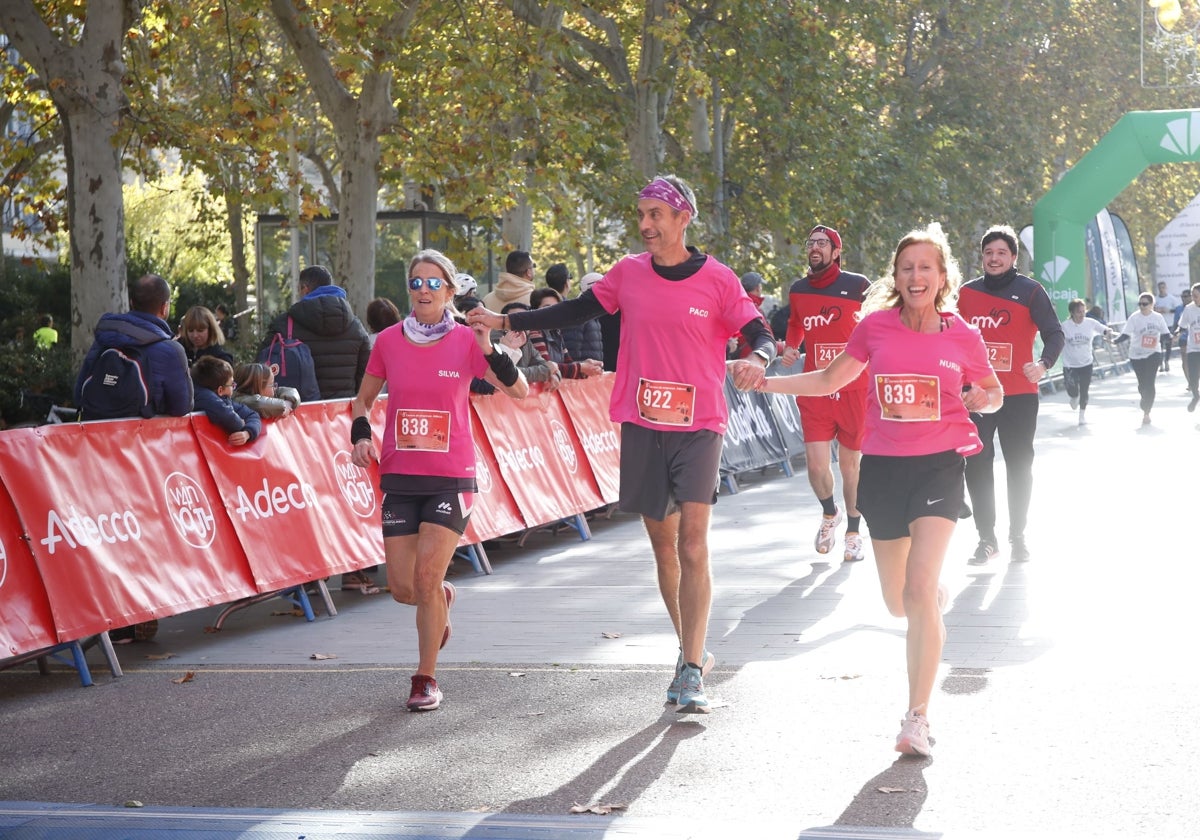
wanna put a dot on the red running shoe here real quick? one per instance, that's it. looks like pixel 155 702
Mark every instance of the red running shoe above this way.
pixel 425 695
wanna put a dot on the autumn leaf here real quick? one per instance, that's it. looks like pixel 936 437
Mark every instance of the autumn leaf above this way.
pixel 602 808
pixel 188 677
pixel 158 656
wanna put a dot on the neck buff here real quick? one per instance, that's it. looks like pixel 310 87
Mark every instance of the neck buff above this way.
pixel 660 189
pixel 998 281
pixel 419 333
pixel 825 277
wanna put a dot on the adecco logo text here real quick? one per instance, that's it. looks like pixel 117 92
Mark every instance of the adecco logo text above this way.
pixel 85 529
pixel 190 510
pixel 355 484
pixel 270 501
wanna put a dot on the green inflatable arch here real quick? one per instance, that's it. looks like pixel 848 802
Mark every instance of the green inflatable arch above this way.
pixel 1139 139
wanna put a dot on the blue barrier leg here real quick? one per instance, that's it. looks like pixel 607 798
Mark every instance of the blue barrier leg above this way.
pixel 85 676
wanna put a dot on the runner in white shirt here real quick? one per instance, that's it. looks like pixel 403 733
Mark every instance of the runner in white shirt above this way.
pixel 1144 331
pixel 1077 354
pixel 1189 338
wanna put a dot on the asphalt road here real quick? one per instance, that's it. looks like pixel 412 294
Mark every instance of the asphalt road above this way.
pixel 1065 706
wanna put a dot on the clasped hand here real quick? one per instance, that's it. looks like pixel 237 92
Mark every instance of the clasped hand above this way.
pixel 747 375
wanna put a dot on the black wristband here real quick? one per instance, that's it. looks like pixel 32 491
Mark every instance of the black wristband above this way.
pixel 503 367
pixel 360 429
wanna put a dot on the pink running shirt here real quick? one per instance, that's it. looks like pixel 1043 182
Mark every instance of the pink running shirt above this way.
pixel 428 401
pixel 671 362
pixel 914 385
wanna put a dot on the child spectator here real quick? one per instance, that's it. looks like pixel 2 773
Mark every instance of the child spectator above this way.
pixel 213 381
pixel 255 388
pixel 201 335
pixel 381 314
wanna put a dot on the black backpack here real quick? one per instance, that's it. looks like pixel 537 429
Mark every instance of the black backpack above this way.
pixel 293 364
pixel 115 387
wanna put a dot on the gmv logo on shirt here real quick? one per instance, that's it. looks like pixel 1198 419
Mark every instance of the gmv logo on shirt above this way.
pixel 992 320
pixel 827 316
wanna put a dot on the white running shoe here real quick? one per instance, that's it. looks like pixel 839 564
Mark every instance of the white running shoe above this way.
pixel 914 735
pixel 826 535
pixel 1074 402
pixel 854 548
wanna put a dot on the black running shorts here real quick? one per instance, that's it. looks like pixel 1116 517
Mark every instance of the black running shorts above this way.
pixel 893 491
pixel 660 469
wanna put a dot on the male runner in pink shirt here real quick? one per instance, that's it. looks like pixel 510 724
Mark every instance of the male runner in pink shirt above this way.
pixel 678 309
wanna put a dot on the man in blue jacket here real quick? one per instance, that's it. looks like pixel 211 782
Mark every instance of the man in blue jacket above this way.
pixel 337 339
pixel 144 327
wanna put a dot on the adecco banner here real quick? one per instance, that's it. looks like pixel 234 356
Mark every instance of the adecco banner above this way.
pixel 27 622
pixel 299 506
pixel 539 455
pixel 587 402
pixel 752 439
pixel 124 522
pixel 495 512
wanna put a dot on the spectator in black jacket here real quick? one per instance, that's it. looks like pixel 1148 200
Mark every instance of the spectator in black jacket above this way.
pixel 586 341
pixel 337 339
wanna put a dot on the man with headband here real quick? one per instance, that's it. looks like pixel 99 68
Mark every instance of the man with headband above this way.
pixel 823 311
pixel 678 308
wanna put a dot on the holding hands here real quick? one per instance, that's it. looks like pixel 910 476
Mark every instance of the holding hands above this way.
pixel 748 374
pixel 486 317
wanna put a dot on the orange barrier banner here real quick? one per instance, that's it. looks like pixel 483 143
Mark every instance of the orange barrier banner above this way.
pixel 496 512
pixel 539 455
pixel 24 606
pixel 300 508
pixel 125 523
pixel 587 401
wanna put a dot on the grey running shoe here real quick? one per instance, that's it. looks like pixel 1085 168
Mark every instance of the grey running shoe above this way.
pixel 705 667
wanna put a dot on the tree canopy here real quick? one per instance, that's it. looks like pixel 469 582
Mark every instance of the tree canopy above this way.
pixel 870 116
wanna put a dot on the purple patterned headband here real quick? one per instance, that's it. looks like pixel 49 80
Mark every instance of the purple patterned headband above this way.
pixel 661 189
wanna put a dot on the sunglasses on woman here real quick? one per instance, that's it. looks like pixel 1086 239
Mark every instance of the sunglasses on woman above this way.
pixel 434 283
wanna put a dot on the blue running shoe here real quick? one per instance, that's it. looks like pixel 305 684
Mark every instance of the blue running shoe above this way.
pixel 691 692
pixel 705 667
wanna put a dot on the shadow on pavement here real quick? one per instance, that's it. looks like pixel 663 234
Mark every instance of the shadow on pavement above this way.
pixel 622 774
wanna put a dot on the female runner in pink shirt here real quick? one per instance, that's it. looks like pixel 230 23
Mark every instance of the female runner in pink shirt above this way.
pixel 427 466
pixel 927 370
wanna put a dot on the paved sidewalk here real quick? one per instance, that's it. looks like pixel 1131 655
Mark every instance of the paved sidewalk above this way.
pixel 1063 707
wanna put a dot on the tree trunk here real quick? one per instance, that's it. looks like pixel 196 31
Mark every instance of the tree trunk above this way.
pixel 235 221
pixel 357 125
pixel 84 81
pixel 355 262
pixel 96 211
